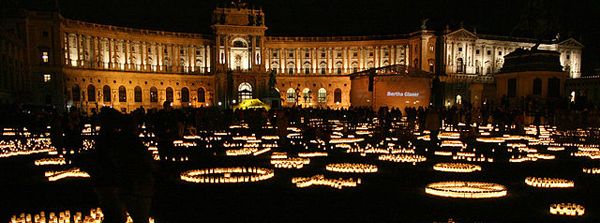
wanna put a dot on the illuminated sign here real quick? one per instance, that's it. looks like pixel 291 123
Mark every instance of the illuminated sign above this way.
pixel 402 94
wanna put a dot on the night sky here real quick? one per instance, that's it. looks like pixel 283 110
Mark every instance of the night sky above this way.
pixel 579 19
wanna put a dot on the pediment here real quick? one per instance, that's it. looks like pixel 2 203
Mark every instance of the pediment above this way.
pixel 462 34
pixel 571 43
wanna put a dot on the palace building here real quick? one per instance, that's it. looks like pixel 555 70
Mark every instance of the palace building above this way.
pixel 89 65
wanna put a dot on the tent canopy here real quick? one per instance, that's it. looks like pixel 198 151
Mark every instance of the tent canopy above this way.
pixel 252 104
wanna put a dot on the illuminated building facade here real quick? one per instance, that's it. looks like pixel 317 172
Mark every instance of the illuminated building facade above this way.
pixel 88 65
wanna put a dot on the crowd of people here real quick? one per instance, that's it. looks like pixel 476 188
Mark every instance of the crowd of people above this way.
pixel 123 172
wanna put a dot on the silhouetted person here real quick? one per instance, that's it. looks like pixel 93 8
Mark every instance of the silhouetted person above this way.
pixel 433 123
pixel 167 130
pixel 123 170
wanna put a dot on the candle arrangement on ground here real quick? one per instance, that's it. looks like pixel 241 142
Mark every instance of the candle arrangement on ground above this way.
pixel 95 216
pixel 351 168
pixel 290 163
pixel 546 182
pixel 591 170
pixel 50 161
pixel 568 209
pixel 457 167
pixel 70 173
pixel 312 154
pixel 466 189
pixel 403 158
pixel 339 183
pixel 221 175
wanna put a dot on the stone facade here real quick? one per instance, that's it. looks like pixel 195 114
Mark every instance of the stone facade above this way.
pixel 233 62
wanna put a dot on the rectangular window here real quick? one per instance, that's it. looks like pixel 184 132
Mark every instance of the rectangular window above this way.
pixel 322 55
pixel 47 78
pixel 274 54
pixel 197 52
pixel 307 55
pixel 45 56
pixel 370 54
pixel 307 70
pixel 460 49
pixel 149 50
pixel 477 52
pixel 291 70
pixel 339 55
pixel 500 53
pixel 291 55
pixel 322 70
pixel 355 54
pixel 489 52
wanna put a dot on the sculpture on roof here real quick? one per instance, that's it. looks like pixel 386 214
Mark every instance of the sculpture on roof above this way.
pixel 424 23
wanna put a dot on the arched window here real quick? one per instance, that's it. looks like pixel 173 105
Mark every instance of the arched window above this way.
pixel 137 94
pixel 201 95
pixel 185 95
pixel 338 67
pixel 153 94
pixel 291 68
pixel 91 93
pixel 275 66
pixel 322 97
pixel 169 94
pixel 337 96
pixel 106 93
pixel 306 94
pixel 323 67
pixel 239 43
pixel 354 67
pixel 291 95
pixel 122 94
pixel 76 92
pixel 307 68
pixel 244 91
pixel 537 86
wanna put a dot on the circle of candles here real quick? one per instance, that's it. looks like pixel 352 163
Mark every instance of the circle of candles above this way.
pixel 466 189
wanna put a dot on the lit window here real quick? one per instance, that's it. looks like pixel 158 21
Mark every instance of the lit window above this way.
pixel 45 56
pixel 47 78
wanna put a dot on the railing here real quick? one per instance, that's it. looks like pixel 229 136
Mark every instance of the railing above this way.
pixel 147 68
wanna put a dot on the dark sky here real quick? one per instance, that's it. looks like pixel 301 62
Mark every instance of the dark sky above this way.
pixel 576 18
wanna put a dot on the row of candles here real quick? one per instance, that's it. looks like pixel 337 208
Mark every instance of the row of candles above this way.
pixel 457 167
pixel 568 209
pixel 466 189
pixel 227 175
pixel 339 183
pixel 547 182
pixel 95 216
pixel 351 168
